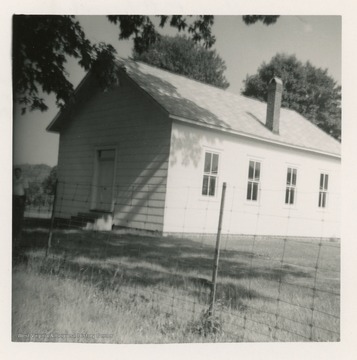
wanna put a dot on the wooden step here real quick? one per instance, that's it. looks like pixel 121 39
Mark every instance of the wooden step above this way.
pixel 93 214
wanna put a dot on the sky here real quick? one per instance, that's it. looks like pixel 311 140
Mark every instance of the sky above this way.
pixel 243 48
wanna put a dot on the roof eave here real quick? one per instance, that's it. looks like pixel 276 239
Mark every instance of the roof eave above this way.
pixel 250 136
pixel 52 125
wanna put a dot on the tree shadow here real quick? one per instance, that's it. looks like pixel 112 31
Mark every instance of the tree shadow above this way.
pixel 164 92
pixel 158 262
pixel 139 191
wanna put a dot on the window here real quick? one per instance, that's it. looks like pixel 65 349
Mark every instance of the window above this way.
pixel 253 180
pixel 323 190
pixel 210 174
pixel 290 193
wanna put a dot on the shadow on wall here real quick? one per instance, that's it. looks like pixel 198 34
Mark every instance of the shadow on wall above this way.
pixel 166 93
pixel 141 183
pixel 187 147
pixel 138 199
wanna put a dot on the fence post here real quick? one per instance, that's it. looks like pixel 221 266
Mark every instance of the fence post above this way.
pixel 216 254
pixel 49 243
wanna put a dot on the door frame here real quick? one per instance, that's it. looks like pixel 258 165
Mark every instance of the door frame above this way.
pixel 95 178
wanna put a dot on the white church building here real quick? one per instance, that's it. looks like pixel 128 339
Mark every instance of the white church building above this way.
pixel 153 152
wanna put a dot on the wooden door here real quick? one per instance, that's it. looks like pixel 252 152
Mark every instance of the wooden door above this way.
pixel 105 180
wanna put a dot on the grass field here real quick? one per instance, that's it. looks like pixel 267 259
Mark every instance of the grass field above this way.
pixel 114 288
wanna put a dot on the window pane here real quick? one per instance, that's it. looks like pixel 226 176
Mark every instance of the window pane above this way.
pixel 288 177
pixel 257 171
pixel 287 196
pixel 323 199
pixel 205 185
pixel 321 181
pixel 208 162
pixel 294 177
pixel 214 164
pixel 212 185
pixel 326 182
pixel 255 191
pixel 251 170
pixel 292 196
pixel 249 191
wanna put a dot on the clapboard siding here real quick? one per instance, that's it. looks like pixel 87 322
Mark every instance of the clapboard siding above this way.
pixel 110 126
pixel 188 211
pixel 81 142
pixel 125 119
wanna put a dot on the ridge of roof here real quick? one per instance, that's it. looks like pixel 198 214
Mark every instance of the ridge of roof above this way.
pixel 172 73
pixel 67 107
pixel 216 87
pixel 210 106
pixel 227 91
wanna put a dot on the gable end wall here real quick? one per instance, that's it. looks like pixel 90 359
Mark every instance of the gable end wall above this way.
pixel 124 119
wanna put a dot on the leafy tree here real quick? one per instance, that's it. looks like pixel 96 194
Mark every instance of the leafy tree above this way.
pixel 42 43
pixel 49 184
pixel 265 19
pixel 307 89
pixel 182 56
pixel 145 34
pixel 34 192
pixel 34 172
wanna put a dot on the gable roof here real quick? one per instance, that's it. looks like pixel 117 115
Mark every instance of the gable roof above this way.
pixel 195 102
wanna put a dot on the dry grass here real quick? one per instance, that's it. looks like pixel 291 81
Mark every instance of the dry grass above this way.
pixel 107 287
pixel 54 309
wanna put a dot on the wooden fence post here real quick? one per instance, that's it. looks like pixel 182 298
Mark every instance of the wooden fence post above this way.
pixel 49 243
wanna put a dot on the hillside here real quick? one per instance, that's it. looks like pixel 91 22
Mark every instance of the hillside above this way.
pixel 35 173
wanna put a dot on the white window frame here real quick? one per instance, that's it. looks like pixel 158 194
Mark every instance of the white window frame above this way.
pixel 291 187
pixel 253 182
pixel 323 190
pixel 210 175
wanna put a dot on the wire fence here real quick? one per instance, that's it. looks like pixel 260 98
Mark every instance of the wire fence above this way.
pixel 267 287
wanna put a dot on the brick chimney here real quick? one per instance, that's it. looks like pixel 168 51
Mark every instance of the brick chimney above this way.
pixel 275 90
